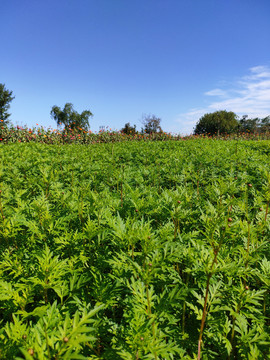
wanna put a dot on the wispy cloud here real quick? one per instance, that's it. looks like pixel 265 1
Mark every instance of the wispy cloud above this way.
pixel 249 95
pixel 216 92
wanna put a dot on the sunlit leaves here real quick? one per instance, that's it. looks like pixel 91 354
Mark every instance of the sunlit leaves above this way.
pixel 138 231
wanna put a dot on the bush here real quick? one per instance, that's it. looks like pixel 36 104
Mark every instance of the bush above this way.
pixel 219 122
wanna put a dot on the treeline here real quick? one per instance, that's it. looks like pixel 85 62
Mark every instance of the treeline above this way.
pixel 69 119
pixel 227 122
pixel 254 125
pixel 218 123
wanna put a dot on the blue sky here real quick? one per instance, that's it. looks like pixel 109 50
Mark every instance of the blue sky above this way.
pixel 177 59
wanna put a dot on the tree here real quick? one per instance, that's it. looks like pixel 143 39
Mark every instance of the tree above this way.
pixel 219 122
pixel 5 99
pixel 254 125
pixel 151 124
pixel 71 118
pixel 250 125
pixel 128 129
pixel 265 124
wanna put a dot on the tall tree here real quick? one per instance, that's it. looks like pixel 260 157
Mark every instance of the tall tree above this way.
pixel 70 118
pixel 151 124
pixel 5 100
pixel 218 122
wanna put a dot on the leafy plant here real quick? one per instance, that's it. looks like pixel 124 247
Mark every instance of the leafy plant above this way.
pixel 135 249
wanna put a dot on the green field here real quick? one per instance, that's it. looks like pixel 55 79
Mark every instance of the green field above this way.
pixel 135 250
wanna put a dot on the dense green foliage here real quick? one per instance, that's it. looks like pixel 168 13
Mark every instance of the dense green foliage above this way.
pixel 70 118
pixel 5 100
pixel 136 250
pixel 218 122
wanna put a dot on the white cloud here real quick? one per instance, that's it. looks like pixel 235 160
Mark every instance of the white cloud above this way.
pixel 216 92
pixel 250 95
pixel 259 72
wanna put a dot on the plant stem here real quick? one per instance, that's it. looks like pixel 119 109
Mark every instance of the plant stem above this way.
pixel 204 315
pixel 184 308
pixel 150 315
pixel 266 211
pixel 210 274
pixel 121 194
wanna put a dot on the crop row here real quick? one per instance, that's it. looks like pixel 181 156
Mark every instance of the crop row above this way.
pixel 39 134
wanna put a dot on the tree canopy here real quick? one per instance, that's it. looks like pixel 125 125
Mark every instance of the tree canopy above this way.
pixel 71 118
pixel 5 99
pixel 218 122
